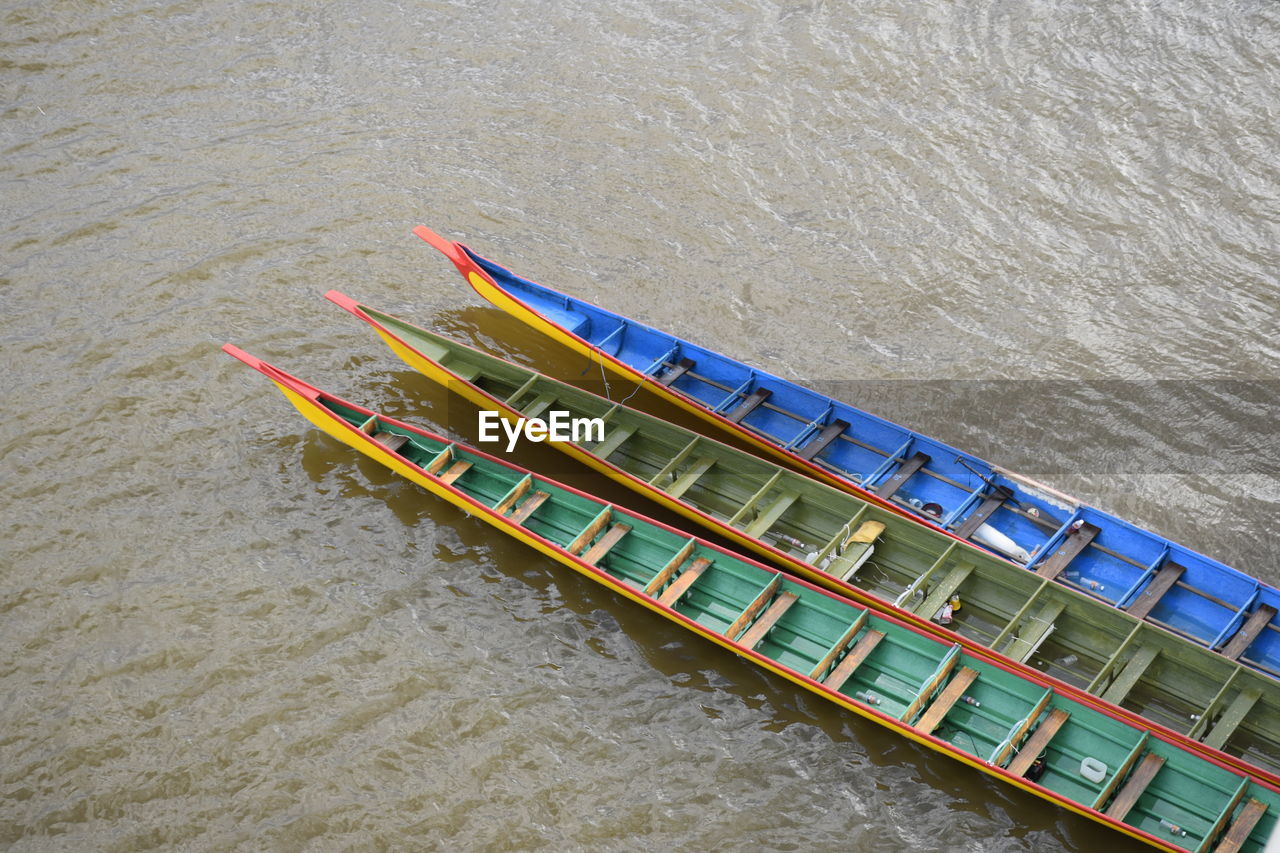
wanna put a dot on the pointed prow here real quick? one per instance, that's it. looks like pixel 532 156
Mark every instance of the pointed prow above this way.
pixel 451 250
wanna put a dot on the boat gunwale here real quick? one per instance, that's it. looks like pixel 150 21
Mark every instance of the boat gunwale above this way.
pixel 917 622
pixel 363 441
pixel 465 259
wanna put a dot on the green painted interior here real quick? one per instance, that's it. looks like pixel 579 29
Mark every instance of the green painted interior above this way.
pixel 1188 790
pixel 1089 644
pixel 1086 642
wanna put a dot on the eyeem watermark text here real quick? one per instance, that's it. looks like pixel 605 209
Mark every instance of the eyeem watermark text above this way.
pixel 558 426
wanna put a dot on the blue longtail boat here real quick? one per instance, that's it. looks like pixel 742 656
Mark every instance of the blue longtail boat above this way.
pixel 1030 524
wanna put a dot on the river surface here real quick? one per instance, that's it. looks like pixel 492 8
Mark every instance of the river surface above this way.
pixel 1047 232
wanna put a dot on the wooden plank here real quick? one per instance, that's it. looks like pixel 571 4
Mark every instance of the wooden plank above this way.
pixel 854 551
pixel 503 506
pixel 1244 823
pixel 1068 550
pixel 606 542
pixel 443 458
pixel 834 652
pixel 589 532
pixel 681 367
pixel 1160 584
pixel 921 579
pixel 530 506
pixel 1224 816
pixel 1021 731
pixel 1117 777
pixel 1136 784
pixel 1133 670
pixel 1035 745
pixel 976 519
pixel 753 609
pixel 613 441
pixel 853 660
pixel 1034 632
pixel 947 664
pixel 540 404
pixel 1247 634
pixel 1232 718
pixel 700 466
pixel 949 696
pixel 665 573
pixel 1096 686
pixel 686 580
pixel 523 389
pixel 905 472
pixel 771 616
pixel 771 514
pixel 756 498
pixel 391 441
pixel 944 589
pixel 749 405
pixel 458 469
pixel 818 444
pixel 676 461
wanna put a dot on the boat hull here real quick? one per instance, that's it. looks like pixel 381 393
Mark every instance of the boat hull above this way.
pixel 1172 683
pixel 1146 778
pixel 1187 593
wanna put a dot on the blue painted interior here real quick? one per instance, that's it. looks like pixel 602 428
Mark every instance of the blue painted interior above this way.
pixel 1210 603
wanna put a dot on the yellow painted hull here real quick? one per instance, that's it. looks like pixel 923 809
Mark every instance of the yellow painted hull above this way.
pixel 330 425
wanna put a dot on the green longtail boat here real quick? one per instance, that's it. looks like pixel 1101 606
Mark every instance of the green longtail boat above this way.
pixel 1052 741
pixel 877 556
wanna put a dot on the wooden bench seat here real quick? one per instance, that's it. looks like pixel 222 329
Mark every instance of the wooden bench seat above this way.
pixel 504 506
pixel 1021 731
pixel 946 700
pixel 1034 632
pixel 1137 664
pixel 979 517
pixel 700 466
pixel 458 469
pixel 443 458
pixel 680 368
pixel 1068 551
pixel 853 660
pixel 664 574
pixel 391 441
pixel 605 543
pixel 1039 739
pixel 819 443
pixel 768 619
pixel 681 584
pixel 752 610
pixel 931 684
pixel 1135 785
pixel 749 405
pixel 1244 823
pixel 770 515
pixel 1164 580
pixel 1231 718
pixel 905 472
pixel 942 591
pixel 590 531
pixel 839 645
pixel 613 441
pixel 1249 632
pixel 526 509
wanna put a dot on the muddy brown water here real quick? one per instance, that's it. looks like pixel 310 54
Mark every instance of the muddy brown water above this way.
pixel 1043 232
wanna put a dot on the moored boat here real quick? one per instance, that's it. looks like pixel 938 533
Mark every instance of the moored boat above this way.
pixel 1024 521
pixel 1066 748
pixel 876 556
